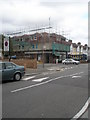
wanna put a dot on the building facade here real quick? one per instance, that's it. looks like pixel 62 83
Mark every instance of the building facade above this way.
pixel 41 46
pixel 0 46
pixel 78 51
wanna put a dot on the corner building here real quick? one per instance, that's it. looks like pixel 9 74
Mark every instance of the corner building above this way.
pixel 41 46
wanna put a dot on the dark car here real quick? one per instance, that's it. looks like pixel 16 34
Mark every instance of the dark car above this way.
pixel 11 71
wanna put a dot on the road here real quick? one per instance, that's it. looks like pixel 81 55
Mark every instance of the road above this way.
pixel 54 93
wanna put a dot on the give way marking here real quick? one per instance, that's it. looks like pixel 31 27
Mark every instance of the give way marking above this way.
pixel 28 78
pixel 40 80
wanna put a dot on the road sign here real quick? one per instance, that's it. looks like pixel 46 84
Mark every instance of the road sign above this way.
pixel 6 44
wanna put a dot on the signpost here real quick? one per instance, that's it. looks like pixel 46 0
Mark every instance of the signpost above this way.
pixel 7 45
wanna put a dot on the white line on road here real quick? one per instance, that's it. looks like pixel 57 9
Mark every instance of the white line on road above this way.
pixel 82 111
pixel 40 80
pixel 35 85
pixel 30 74
pixel 28 78
pixel 76 76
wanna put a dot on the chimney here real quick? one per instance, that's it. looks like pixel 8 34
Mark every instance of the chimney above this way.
pixel 85 45
pixel 70 41
pixel 79 43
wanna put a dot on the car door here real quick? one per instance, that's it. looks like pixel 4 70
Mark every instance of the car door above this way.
pixel 66 61
pixel 8 71
pixel 70 61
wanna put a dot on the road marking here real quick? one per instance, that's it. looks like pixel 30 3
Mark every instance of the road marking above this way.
pixel 76 76
pixel 82 111
pixel 45 73
pixel 30 74
pixel 28 78
pixel 65 68
pixel 40 80
pixel 50 69
pixel 68 68
pixel 38 84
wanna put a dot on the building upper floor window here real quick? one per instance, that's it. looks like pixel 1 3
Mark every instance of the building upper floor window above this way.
pixel 32 46
pixel 35 37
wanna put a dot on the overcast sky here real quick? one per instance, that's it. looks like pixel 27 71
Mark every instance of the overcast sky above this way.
pixel 68 17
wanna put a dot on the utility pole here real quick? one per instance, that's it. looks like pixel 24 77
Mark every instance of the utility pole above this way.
pixel 49 40
pixel 9 51
pixel 43 47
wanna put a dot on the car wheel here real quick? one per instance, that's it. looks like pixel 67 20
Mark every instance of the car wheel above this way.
pixel 17 76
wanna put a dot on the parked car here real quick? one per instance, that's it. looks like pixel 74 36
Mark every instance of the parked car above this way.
pixel 11 71
pixel 13 57
pixel 70 61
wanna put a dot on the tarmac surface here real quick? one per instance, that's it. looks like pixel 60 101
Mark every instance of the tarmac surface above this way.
pixel 55 91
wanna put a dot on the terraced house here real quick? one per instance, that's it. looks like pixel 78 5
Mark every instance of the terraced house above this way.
pixel 78 51
pixel 0 46
pixel 41 46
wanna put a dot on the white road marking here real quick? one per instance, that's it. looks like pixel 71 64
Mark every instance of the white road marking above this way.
pixel 65 68
pixel 82 111
pixel 28 78
pixel 76 76
pixel 30 74
pixel 68 68
pixel 62 69
pixel 45 73
pixel 40 80
pixel 35 85
pixel 51 69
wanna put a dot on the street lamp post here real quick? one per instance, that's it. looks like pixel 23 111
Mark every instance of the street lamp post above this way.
pixel 44 47
pixel 9 51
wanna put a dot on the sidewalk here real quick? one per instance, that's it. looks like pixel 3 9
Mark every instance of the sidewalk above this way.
pixel 47 67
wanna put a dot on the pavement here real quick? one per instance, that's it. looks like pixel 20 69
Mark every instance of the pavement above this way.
pixel 47 67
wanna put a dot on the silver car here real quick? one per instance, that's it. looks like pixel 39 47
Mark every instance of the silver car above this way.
pixel 70 61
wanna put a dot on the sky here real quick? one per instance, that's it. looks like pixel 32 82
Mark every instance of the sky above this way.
pixel 66 17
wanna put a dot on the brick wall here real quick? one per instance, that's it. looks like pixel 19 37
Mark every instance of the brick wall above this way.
pixel 28 63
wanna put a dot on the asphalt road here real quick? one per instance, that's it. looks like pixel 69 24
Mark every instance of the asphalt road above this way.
pixel 54 93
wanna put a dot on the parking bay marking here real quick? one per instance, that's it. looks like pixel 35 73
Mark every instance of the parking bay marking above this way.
pixel 38 84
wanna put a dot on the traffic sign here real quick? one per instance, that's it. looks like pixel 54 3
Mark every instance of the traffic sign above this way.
pixel 6 44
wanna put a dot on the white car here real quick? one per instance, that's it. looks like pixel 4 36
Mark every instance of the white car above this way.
pixel 70 61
